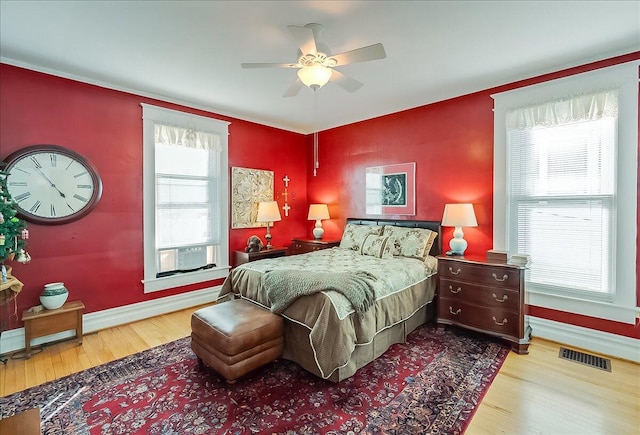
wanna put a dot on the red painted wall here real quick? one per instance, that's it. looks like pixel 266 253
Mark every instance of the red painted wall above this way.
pixel 452 145
pixel 100 257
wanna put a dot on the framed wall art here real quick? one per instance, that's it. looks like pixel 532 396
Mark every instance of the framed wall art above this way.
pixel 391 189
pixel 248 188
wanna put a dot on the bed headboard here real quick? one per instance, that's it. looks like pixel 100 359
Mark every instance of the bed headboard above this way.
pixel 436 249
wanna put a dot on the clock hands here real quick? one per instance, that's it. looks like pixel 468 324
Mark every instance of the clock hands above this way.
pixel 50 182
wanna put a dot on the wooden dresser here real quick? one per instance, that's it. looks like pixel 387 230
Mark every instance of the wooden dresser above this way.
pixel 483 296
pixel 301 246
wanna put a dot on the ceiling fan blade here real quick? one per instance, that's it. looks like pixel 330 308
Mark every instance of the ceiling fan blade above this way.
pixel 344 81
pixel 304 38
pixel 372 52
pixel 271 65
pixel 294 89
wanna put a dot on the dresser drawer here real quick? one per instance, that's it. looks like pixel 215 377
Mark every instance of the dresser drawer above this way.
pixel 480 295
pixel 489 275
pixel 494 319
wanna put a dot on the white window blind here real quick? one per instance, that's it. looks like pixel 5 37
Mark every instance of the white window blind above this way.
pixel 187 205
pixel 561 195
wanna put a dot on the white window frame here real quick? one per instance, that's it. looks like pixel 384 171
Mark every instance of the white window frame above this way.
pixel 624 77
pixel 152 115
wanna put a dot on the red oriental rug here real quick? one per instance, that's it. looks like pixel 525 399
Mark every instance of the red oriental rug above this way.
pixel 431 384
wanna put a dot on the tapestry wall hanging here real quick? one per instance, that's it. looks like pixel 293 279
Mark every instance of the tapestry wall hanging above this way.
pixel 248 188
pixel 391 189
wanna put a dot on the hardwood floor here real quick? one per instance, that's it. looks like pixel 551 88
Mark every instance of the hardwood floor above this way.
pixel 532 394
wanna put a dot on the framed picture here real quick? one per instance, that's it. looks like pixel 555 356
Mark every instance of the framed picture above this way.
pixel 391 189
pixel 248 188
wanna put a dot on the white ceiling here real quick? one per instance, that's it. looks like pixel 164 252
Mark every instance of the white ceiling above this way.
pixel 190 51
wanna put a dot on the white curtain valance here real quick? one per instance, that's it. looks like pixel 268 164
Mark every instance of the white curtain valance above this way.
pixel 186 137
pixel 589 107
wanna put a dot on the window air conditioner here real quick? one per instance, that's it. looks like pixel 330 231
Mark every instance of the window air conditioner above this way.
pixel 192 257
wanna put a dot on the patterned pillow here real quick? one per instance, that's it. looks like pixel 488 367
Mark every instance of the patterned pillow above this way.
pixel 411 242
pixel 377 246
pixel 354 235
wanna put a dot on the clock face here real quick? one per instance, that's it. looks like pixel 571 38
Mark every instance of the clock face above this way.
pixel 52 184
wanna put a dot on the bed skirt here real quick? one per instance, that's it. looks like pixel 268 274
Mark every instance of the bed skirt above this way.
pixel 298 347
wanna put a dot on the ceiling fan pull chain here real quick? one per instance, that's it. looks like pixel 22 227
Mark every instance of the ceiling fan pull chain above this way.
pixel 316 163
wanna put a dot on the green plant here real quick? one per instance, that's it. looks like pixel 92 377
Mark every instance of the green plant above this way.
pixel 13 230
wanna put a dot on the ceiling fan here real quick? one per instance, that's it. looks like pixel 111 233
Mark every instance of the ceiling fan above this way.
pixel 316 65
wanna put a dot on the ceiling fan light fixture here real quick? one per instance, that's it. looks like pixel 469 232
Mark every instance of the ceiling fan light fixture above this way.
pixel 314 76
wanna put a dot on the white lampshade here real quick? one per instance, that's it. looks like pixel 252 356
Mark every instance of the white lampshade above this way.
pixel 268 211
pixel 315 75
pixel 318 211
pixel 458 215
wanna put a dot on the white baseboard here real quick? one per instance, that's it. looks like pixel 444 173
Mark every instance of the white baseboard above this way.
pixel 589 339
pixel 13 339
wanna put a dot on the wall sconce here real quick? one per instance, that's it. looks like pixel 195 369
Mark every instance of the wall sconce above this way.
pixel 268 212
pixel 458 216
pixel 318 212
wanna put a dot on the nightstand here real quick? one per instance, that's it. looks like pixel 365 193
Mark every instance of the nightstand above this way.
pixel 302 246
pixel 241 257
pixel 484 296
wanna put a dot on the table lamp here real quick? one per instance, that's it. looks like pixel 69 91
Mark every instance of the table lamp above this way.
pixel 318 212
pixel 268 212
pixel 458 216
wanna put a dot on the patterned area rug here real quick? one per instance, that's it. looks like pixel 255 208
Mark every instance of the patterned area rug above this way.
pixel 431 384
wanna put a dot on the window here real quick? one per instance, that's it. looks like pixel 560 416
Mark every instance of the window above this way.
pixel 185 192
pixel 565 189
pixel 561 196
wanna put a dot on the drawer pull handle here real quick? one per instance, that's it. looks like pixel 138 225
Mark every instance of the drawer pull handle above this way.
pixel 456 272
pixel 504 321
pixel 457 311
pixel 504 297
pixel 458 290
pixel 504 277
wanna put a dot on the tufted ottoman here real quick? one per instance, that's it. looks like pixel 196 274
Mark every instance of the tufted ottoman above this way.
pixel 235 337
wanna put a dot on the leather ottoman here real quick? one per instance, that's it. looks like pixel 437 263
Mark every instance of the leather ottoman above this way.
pixel 235 337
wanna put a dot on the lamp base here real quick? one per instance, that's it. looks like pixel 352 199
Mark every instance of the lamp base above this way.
pixel 458 244
pixel 454 254
pixel 318 231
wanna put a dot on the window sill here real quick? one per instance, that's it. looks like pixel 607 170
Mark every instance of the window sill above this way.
pixel 157 284
pixel 602 310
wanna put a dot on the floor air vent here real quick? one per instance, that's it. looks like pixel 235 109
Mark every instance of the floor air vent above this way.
pixel 586 359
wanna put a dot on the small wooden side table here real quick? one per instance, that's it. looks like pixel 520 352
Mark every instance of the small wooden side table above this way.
pixel 47 322
pixel 241 257
pixel 302 246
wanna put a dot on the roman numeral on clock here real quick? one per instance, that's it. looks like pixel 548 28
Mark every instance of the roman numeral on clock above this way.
pixel 34 208
pixel 81 198
pixel 35 161
pixel 22 196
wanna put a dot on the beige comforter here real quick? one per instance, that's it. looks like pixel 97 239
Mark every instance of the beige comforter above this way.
pixel 335 330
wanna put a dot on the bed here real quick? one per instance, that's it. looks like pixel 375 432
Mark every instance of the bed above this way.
pixel 324 333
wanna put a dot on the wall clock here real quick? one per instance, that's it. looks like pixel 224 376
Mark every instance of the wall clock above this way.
pixel 52 184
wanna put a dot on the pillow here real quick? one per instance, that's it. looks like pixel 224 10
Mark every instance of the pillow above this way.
pixel 377 246
pixel 354 235
pixel 411 242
